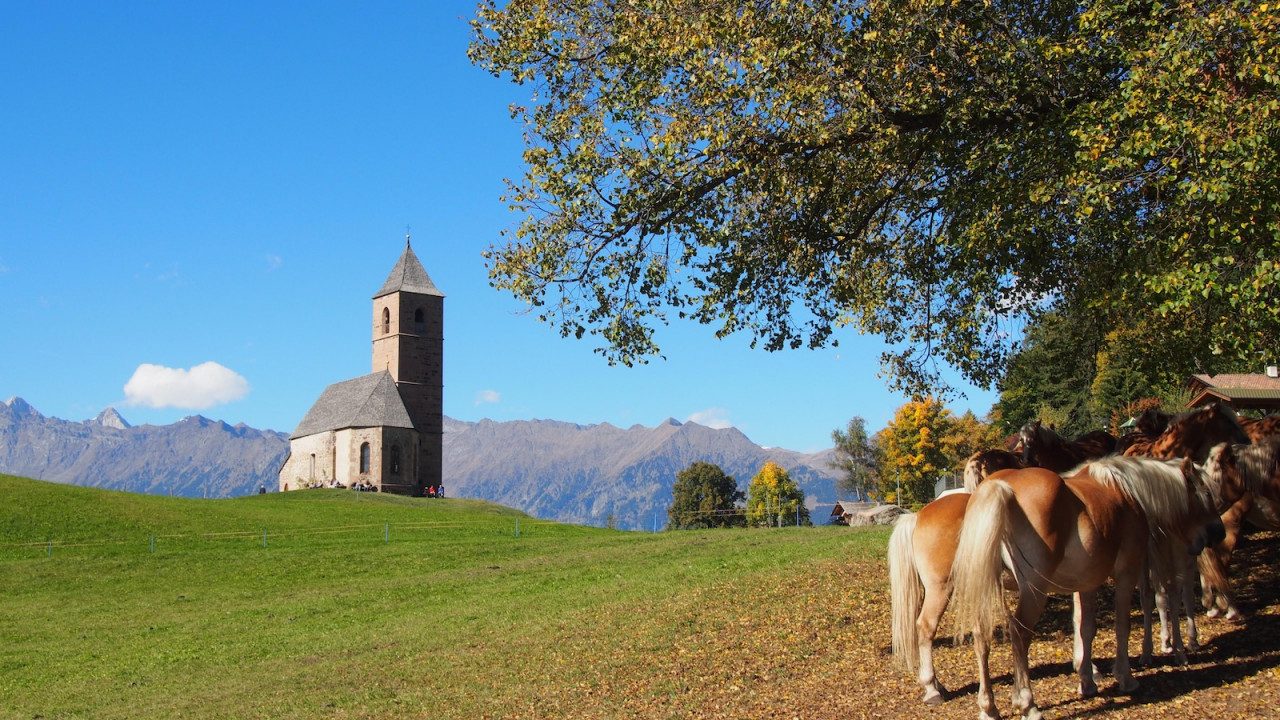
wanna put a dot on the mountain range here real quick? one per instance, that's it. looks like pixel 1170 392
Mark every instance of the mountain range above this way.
pixel 587 474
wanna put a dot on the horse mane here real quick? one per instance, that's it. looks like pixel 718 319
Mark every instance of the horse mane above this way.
pixel 1159 489
pixel 1155 486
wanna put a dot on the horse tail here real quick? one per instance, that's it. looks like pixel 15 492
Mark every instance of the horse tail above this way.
pixel 906 591
pixel 978 598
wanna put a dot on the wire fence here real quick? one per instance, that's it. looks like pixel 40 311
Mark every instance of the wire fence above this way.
pixel 367 533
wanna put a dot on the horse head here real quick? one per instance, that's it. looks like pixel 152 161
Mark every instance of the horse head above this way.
pixel 1222 475
pixel 1029 440
pixel 1207 529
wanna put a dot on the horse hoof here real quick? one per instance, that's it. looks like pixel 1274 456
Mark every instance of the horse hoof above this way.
pixel 934 700
pixel 1144 660
pixel 1127 686
pixel 1088 692
pixel 1235 615
pixel 1212 612
pixel 1180 658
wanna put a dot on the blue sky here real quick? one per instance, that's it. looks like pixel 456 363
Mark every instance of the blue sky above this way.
pixel 198 200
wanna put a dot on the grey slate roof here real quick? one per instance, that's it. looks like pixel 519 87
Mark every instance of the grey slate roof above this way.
pixel 408 276
pixel 367 401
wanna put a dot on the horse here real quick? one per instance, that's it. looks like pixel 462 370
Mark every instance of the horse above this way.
pixel 1192 433
pixel 1056 534
pixel 1042 447
pixel 921 550
pixel 984 462
pixel 1259 468
pixel 1260 429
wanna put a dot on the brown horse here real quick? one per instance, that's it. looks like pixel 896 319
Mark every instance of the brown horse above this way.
pixel 1259 468
pixel 921 551
pixel 1042 447
pixel 1189 435
pixel 1057 535
pixel 1192 433
pixel 1263 428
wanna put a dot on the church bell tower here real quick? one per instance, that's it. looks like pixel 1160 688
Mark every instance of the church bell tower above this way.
pixel 408 343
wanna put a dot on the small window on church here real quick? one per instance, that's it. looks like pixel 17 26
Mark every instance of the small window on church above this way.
pixel 419 325
pixel 313 466
pixel 386 321
pixel 395 459
pixel 364 457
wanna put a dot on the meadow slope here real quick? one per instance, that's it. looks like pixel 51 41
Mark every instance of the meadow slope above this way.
pixel 331 604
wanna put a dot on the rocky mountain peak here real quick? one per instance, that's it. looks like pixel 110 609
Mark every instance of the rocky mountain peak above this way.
pixel 112 419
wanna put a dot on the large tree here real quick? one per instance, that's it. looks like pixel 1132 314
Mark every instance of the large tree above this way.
pixel 774 499
pixel 915 451
pixel 929 171
pixel 704 497
pixel 855 457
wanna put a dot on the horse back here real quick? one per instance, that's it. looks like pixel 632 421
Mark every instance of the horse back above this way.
pixel 1261 429
pixel 937 534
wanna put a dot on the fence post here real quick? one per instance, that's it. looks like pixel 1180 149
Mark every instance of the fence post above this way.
pixel 264 538
pixel 49 552
pixel 153 543
pixel 517 527
pixel 386 536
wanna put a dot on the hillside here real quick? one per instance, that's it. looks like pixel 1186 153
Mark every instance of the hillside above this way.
pixel 331 604
pixel 551 470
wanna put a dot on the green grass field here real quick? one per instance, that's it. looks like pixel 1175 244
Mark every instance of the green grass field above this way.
pixel 345 605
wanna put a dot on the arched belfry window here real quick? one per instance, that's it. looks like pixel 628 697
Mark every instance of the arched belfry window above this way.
pixel 386 321
pixel 419 324
pixel 364 457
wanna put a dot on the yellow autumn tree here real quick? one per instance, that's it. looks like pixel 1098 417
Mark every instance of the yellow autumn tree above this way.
pixel 774 499
pixel 914 451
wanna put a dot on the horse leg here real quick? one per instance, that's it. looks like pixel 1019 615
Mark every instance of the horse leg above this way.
pixel 1187 583
pixel 1170 628
pixel 935 602
pixel 1031 602
pixel 1146 594
pixel 1124 599
pixel 986 699
pixel 1085 618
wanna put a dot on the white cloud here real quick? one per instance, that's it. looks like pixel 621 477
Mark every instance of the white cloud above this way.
pixel 201 387
pixel 488 397
pixel 711 417
pixel 274 262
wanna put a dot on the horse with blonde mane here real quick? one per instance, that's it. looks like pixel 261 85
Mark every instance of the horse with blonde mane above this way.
pixel 1069 535
pixel 921 550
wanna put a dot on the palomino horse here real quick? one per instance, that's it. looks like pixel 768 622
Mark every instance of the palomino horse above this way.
pixel 1042 447
pixel 921 550
pixel 1192 433
pixel 1259 468
pixel 1059 535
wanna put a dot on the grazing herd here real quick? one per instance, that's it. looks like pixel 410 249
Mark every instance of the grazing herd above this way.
pixel 1154 511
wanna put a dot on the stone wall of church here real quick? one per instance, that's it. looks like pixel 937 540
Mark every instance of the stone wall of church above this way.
pixel 311 461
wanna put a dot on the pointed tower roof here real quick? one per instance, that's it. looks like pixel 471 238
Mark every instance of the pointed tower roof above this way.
pixel 408 276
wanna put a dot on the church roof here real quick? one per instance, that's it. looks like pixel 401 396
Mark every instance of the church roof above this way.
pixel 408 276
pixel 366 401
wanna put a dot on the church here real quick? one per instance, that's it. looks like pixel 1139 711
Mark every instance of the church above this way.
pixel 382 431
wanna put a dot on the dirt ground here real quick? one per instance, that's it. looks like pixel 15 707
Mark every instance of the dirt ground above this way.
pixel 1236 673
